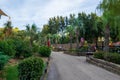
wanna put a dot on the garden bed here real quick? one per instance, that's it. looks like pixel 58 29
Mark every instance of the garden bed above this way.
pixel 74 53
pixel 115 68
pixel 70 53
pixel 11 67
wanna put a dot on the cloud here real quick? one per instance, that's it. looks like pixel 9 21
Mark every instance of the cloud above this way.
pixel 24 12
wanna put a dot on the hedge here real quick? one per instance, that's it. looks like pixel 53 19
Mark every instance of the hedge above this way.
pixel 44 51
pixel 111 57
pixel 3 60
pixel 31 68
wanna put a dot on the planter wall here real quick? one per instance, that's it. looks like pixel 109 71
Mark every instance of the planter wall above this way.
pixel 115 68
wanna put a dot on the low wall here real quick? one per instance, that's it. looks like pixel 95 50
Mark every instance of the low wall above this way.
pixel 115 68
pixel 64 46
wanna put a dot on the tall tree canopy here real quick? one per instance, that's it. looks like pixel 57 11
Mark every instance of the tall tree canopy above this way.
pixel 111 15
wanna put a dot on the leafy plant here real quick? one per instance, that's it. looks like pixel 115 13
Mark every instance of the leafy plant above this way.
pixel 11 69
pixel 99 55
pixel 35 48
pixel 31 68
pixel 7 47
pixel 83 49
pixel 114 57
pixel 111 57
pixel 3 60
pixel 44 51
pixel 22 49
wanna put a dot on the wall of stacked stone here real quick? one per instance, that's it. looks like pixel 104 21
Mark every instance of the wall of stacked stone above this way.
pixel 64 46
pixel 115 68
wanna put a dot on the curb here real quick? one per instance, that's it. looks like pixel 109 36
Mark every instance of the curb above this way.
pixel 112 67
pixel 43 77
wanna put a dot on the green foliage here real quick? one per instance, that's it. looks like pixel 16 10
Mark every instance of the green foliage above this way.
pixel 7 47
pixel 111 14
pixel 99 55
pixel 31 68
pixel 35 48
pixel 22 49
pixel 85 25
pixel 3 60
pixel 111 57
pixel 83 49
pixel 44 51
pixel 11 69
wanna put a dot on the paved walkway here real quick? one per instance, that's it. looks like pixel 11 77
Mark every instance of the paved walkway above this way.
pixel 66 67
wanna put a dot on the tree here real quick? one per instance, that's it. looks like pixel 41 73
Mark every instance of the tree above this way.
pixel 111 17
pixel 31 32
pixel 8 29
pixel 45 30
pixel 70 30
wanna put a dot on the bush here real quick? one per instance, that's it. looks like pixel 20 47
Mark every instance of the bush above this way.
pixel 22 49
pixel 113 57
pixel 31 68
pixel 35 48
pixel 11 69
pixel 99 55
pixel 44 51
pixel 3 60
pixel 7 47
pixel 83 49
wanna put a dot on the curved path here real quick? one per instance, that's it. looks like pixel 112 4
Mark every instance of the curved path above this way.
pixel 66 67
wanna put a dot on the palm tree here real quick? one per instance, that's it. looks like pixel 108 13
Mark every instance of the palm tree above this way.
pixel 31 32
pixel 111 17
pixel 8 29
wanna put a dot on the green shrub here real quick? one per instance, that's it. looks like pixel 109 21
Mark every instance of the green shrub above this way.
pixel 83 49
pixel 31 68
pixel 11 69
pixel 99 55
pixel 1 53
pixel 7 47
pixel 113 57
pixel 35 48
pixel 22 49
pixel 3 60
pixel 44 51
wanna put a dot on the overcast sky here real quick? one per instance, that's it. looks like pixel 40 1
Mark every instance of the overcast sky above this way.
pixel 24 12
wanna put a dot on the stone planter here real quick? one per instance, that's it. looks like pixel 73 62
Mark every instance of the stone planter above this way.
pixel 70 53
pixel 112 67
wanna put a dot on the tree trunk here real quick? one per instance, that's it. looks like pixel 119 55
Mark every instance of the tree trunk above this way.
pixel 70 42
pixel 106 42
pixel 107 35
pixel 77 41
pixel 96 42
pixel 77 44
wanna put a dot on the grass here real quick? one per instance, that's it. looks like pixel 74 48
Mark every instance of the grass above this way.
pixel 11 72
